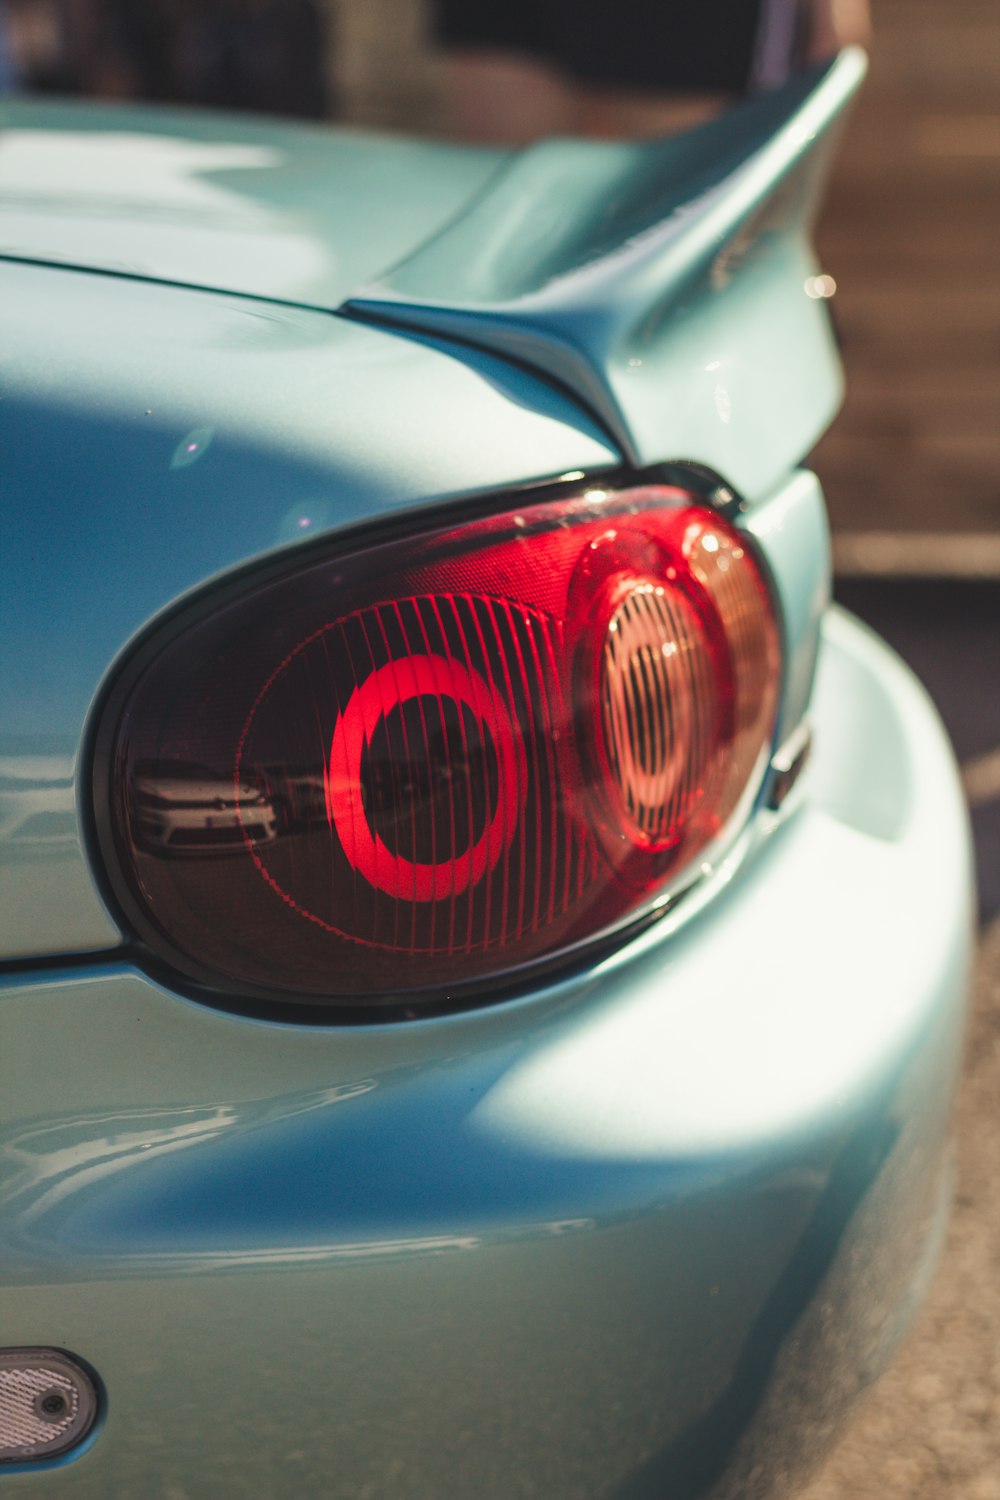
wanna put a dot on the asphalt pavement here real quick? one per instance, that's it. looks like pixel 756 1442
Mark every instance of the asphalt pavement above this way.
pixel 911 473
pixel 930 1428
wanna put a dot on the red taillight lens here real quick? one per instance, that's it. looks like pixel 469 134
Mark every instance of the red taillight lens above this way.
pixel 429 763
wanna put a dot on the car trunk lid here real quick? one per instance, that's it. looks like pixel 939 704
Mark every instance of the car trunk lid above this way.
pixel 283 211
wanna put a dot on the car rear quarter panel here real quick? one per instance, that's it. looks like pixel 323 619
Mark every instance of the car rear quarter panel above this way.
pixel 645 1230
pixel 154 438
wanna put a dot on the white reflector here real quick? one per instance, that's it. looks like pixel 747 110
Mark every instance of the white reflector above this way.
pixel 47 1404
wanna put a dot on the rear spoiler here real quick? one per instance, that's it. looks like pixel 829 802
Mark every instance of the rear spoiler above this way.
pixel 665 284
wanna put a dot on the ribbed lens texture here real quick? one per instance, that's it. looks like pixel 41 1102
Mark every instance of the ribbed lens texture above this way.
pixel 396 773
pixel 659 710
pixel 47 1404
pixel 442 716
pixel 719 563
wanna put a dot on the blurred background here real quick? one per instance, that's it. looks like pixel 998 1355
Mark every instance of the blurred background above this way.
pixel 910 235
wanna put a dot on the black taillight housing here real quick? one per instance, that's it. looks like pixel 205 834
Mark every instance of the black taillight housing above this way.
pixel 410 770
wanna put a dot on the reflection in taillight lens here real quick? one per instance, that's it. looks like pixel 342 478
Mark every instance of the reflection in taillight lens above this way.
pixel 427 764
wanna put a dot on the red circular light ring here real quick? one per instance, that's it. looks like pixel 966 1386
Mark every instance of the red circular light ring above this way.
pixel 389 687
pixel 441 769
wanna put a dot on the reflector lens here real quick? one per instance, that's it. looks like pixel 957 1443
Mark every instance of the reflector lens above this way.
pixel 659 713
pixel 475 750
pixel 457 725
pixel 47 1404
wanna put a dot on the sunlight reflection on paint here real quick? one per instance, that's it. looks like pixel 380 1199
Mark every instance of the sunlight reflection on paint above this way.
pixel 306 518
pixel 192 447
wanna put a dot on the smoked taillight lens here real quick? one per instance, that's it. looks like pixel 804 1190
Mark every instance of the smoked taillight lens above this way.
pixel 412 769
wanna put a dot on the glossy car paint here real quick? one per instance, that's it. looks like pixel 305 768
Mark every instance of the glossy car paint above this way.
pixel 196 432
pixel 645 1229
pixel 666 283
pixel 156 437
pixel 288 212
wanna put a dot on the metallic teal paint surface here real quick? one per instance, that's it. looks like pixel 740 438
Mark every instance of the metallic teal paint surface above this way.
pixel 153 438
pixel 269 209
pixel 643 1232
pixel 791 530
pixel 665 283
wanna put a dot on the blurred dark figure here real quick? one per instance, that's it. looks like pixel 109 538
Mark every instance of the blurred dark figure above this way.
pixel 264 55
pixel 9 79
pixel 520 69
pixel 41 40
pixel 240 54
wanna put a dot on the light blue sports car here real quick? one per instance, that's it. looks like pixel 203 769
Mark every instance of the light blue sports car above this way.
pixel 484 943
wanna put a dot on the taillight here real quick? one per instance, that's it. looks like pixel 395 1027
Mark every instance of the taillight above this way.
pixel 413 768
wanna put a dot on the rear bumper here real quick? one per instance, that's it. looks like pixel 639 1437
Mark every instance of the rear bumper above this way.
pixel 646 1231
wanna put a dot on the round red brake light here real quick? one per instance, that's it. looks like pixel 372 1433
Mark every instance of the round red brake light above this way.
pixel 427 764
